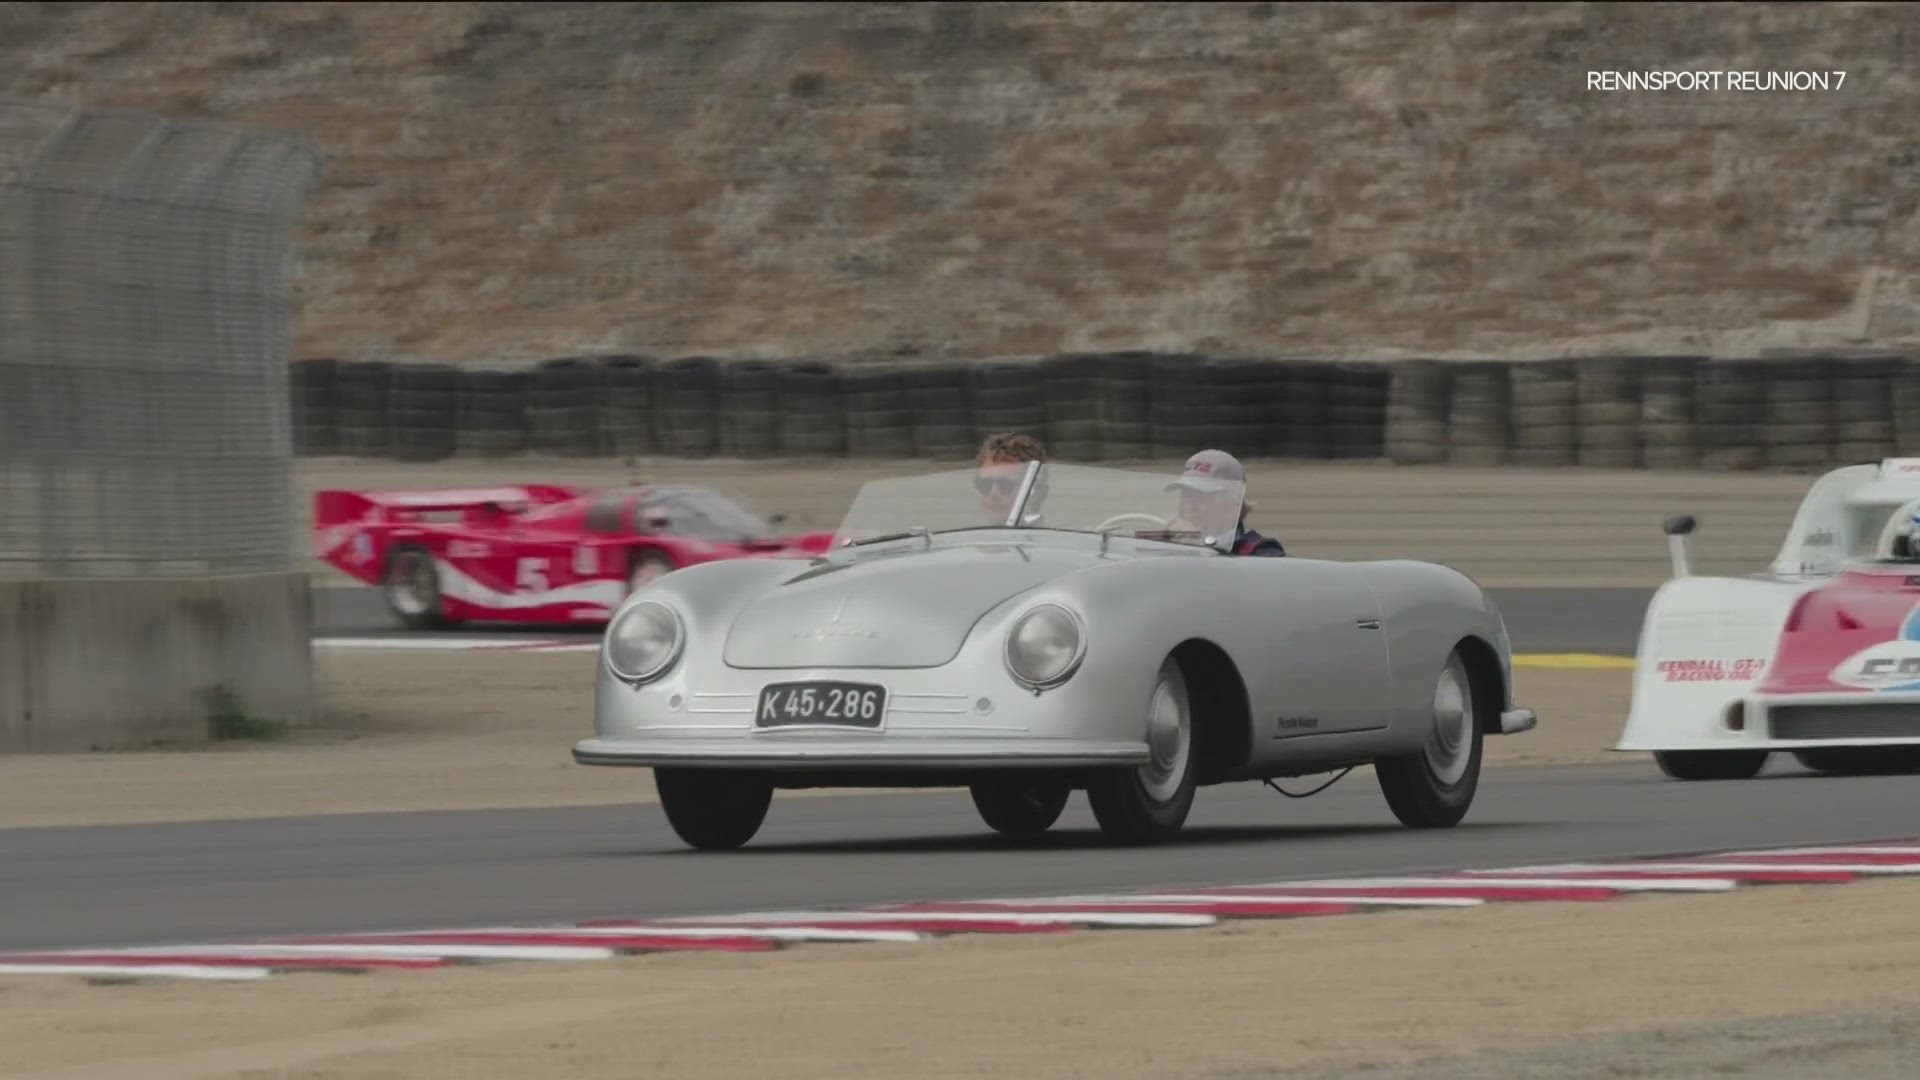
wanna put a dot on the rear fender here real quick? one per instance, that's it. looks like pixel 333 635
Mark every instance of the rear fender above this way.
pixel 1705 643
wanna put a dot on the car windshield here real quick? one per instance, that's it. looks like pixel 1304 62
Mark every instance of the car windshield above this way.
pixel 701 514
pixel 1072 498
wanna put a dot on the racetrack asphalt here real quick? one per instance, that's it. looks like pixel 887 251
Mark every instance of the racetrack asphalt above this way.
pixel 1539 620
pixel 210 882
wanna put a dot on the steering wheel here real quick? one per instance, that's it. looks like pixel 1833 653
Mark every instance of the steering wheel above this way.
pixel 1117 518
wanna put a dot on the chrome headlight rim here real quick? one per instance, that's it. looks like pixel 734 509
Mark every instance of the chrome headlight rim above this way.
pixel 665 664
pixel 1079 646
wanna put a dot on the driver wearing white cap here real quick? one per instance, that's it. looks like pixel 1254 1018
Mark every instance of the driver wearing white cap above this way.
pixel 1210 475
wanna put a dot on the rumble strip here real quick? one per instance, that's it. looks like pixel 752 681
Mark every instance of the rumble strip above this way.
pixel 1717 872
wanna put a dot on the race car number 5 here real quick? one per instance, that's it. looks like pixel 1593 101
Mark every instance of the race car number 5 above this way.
pixel 532 575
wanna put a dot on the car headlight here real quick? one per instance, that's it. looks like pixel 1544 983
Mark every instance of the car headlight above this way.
pixel 1045 646
pixel 643 641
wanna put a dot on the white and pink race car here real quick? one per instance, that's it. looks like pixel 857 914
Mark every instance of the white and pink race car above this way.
pixel 1818 656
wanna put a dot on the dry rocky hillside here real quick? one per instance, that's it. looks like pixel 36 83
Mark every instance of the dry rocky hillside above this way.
pixel 513 181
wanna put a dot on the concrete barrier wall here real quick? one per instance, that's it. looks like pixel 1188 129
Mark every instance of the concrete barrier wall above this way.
pixel 117 664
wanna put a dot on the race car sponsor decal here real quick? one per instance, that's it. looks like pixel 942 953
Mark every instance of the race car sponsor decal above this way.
pixel 468 549
pixel 1900 466
pixel 1711 670
pixel 1890 665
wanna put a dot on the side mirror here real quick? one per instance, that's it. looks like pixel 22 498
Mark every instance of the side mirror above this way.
pixel 1677 530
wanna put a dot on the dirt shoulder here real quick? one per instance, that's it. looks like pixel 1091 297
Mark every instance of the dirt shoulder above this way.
pixel 1236 1001
pixel 466 731
pixel 1505 527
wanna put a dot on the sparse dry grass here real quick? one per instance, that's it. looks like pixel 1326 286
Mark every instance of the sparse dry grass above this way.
pixel 1095 168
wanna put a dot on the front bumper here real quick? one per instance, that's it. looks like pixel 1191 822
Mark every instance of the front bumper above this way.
pixel 1799 722
pixel 816 751
pixel 1515 721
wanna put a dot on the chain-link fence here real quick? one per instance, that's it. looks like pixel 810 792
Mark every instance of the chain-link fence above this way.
pixel 144 298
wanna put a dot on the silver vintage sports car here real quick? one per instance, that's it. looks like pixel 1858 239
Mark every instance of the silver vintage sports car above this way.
pixel 1090 633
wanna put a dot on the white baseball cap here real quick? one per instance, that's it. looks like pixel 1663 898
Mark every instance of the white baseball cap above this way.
pixel 1211 471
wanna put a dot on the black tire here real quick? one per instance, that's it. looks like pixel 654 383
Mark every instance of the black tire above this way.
pixel 713 809
pixel 645 565
pixel 411 586
pixel 1711 764
pixel 1433 788
pixel 1860 760
pixel 1017 808
pixel 1130 813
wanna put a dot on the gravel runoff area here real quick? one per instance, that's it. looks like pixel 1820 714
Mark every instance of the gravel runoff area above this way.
pixel 467 731
pixel 1781 982
pixel 1572 527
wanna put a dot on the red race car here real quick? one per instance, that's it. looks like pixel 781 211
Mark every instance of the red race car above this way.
pixel 536 554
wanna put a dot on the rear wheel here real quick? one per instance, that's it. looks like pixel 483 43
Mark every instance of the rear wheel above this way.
pixel 1150 803
pixel 411 585
pixel 1434 788
pixel 1860 760
pixel 713 809
pixel 1018 808
pixel 1711 764
pixel 645 567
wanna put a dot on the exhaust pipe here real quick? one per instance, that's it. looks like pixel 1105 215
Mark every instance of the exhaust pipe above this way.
pixel 1677 530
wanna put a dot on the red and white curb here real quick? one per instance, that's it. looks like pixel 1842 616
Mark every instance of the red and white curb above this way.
pixel 921 921
pixel 434 644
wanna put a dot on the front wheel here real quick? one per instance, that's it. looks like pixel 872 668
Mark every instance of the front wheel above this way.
pixel 711 809
pixel 1434 788
pixel 1150 803
pixel 1014 808
pixel 1711 764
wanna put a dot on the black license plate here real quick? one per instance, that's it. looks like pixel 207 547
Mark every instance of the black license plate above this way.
pixel 836 704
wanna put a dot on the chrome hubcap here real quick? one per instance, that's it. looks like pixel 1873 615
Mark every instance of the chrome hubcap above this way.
pixel 1450 746
pixel 1169 740
pixel 644 574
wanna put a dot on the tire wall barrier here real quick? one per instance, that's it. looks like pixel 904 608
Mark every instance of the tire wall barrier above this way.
pixel 1783 411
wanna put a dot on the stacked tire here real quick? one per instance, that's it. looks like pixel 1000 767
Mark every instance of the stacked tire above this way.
pixel 750 409
pixel 942 411
pixel 494 419
pixel 1904 389
pixel 360 401
pixel 1418 399
pixel 1478 425
pixel 314 412
pixel 1125 389
pixel 1730 410
pixel 424 405
pixel 1305 420
pixel 879 411
pixel 563 411
pixel 1006 396
pixel 1545 415
pixel 1180 411
pixel 1607 398
pixel 1863 426
pixel 1071 389
pixel 1357 411
pixel 1669 420
pixel 813 413
pixel 627 407
pixel 1799 413
pixel 686 407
